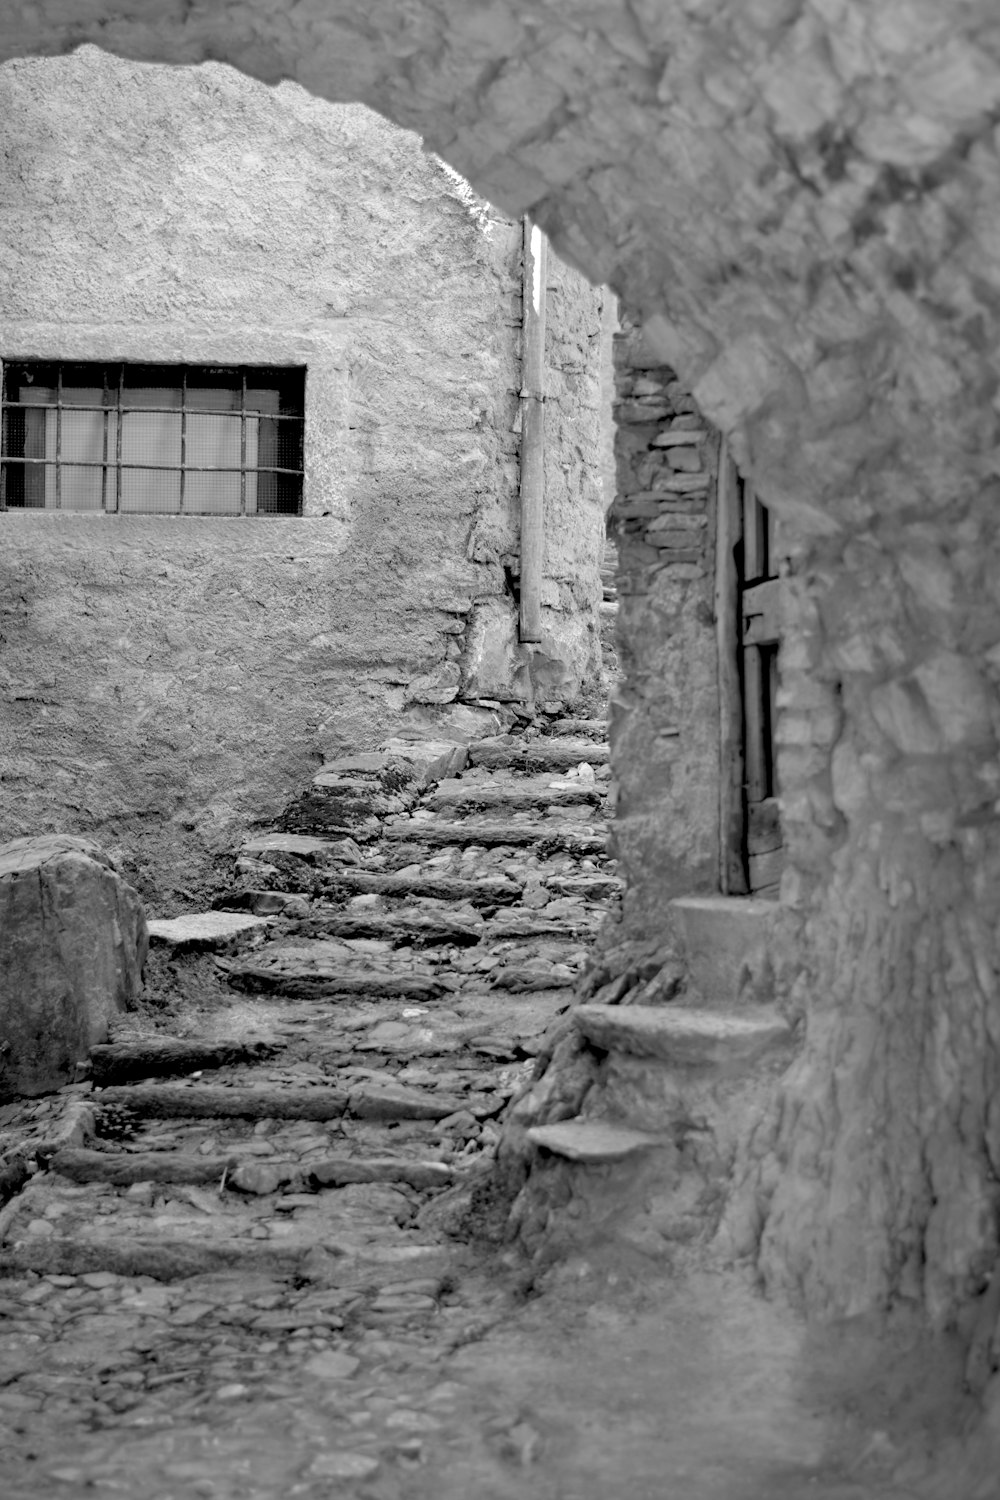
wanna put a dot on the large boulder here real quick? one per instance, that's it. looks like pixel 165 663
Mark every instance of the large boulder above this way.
pixel 72 945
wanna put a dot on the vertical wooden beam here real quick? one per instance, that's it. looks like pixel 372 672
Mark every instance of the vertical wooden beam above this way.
pixel 732 814
pixel 532 432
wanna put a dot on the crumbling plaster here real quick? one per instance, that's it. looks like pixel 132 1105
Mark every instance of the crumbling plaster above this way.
pixel 800 196
pixel 170 679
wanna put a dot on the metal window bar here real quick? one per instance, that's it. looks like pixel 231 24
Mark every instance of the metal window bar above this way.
pixel 118 440
pixel 251 411
pixel 59 388
pixel 97 463
pixel 184 387
pixel 105 401
pixel 243 442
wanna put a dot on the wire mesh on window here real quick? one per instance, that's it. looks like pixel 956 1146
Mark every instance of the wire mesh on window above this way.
pixel 155 440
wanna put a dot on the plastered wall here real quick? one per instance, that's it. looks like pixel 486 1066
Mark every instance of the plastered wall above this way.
pixel 169 681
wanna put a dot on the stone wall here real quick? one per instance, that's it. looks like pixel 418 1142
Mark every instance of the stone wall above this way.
pixel 665 712
pixel 167 680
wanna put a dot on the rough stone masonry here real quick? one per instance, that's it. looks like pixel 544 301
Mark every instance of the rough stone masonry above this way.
pixel 801 199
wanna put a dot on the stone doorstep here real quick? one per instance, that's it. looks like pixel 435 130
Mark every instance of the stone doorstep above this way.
pixel 591 1140
pixel 205 930
pixel 720 937
pixel 687 1038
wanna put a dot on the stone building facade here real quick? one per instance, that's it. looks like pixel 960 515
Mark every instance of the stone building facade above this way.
pixel 168 678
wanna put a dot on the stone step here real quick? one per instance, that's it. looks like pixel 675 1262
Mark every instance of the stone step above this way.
pixel 681 1036
pixel 151 1056
pixel 724 943
pixel 122 1169
pixel 591 1140
pixel 553 753
pixel 375 1101
pixel 307 847
pixel 515 796
pixel 550 834
pixel 318 968
pixel 206 931
pixel 587 729
pixel 485 892
pixel 401 927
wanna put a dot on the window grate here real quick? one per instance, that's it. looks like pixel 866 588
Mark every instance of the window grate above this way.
pixel 152 439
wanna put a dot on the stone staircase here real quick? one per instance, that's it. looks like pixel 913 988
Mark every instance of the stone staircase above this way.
pixel 330 1048
pixel 631 1133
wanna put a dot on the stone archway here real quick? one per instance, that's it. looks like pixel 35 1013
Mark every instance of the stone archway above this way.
pixel 799 197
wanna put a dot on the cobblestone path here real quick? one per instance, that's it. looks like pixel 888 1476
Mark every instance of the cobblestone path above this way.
pixel 252 1255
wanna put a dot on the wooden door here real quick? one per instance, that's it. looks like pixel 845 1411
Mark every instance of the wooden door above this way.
pixel 748 615
pixel 760 626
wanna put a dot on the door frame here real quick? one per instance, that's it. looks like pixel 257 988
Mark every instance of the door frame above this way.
pixel 732 810
pixel 748 613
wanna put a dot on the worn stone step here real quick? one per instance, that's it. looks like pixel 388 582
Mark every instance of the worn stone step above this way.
pixel 302 846
pixel 156 1256
pixel 397 927
pixel 516 796
pixel 486 892
pixel 550 835
pixel 206 931
pixel 148 1057
pixel 724 942
pixel 587 729
pixel 591 1140
pixel 590 887
pixel 681 1036
pixel 317 968
pixel 389 1101
pixel 123 1169
pixel 548 754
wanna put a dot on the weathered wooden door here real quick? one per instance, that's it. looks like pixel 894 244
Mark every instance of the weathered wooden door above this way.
pixel 760 624
pixel 748 600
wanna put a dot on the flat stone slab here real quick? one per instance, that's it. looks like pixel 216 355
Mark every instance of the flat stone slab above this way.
pixel 591 1140
pixel 205 930
pixel 687 1038
pixel 302 846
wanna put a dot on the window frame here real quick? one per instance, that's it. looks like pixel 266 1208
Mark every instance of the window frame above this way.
pixel 286 382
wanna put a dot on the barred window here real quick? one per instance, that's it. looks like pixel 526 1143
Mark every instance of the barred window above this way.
pixel 152 439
